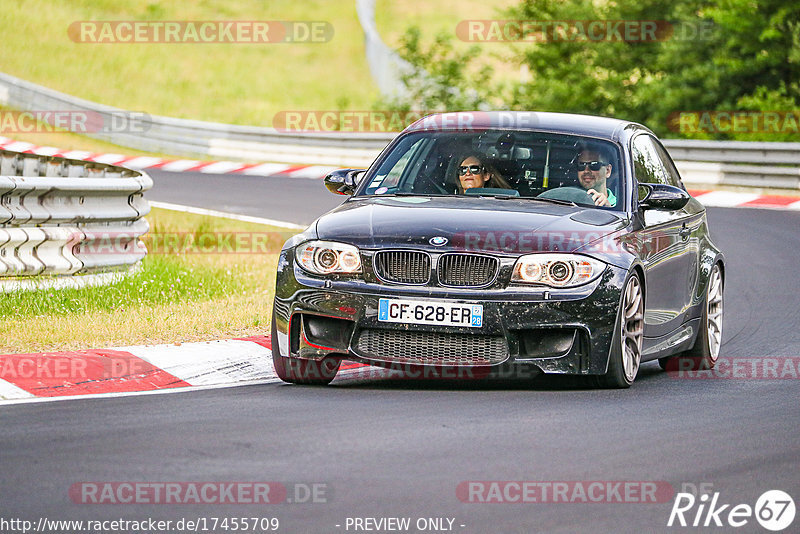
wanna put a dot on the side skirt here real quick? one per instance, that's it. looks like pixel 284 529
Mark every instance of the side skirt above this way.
pixel 676 341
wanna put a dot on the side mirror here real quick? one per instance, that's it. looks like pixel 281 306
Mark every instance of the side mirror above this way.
pixel 662 197
pixel 344 181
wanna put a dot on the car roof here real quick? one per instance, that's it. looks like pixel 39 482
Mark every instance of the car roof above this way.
pixel 566 123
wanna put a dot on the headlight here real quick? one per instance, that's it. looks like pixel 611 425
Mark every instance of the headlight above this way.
pixel 328 257
pixel 556 270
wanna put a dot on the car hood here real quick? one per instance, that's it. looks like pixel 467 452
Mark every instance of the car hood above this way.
pixel 471 224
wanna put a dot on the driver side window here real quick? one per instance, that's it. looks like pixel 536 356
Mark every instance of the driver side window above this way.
pixel 392 171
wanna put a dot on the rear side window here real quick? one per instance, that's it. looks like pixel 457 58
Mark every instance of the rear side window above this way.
pixel 673 177
pixel 647 165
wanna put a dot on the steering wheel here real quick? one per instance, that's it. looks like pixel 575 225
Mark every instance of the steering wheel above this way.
pixel 426 178
pixel 574 194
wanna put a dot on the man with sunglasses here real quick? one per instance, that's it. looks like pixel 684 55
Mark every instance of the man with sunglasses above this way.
pixel 593 171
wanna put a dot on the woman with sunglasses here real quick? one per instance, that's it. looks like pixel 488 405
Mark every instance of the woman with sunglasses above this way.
pixel 472 172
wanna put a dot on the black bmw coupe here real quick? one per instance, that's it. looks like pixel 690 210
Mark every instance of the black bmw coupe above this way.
pixel 480 241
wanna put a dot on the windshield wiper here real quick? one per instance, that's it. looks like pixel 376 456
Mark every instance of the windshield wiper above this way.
pixel 552 201
pixel 501 197
pixel 412 194
pixel 395 194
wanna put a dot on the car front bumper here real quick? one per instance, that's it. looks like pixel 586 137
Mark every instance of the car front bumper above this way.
pixel 566 331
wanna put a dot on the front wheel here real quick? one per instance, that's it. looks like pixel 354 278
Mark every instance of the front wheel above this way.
pixel 626 351
pixel 298 370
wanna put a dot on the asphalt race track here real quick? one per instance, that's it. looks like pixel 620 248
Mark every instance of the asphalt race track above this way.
pixel 246 195
pixel 391 448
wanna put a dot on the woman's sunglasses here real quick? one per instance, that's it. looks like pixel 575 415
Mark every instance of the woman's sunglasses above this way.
pixel 473 169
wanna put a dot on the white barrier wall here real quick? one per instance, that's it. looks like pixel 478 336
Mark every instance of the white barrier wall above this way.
pixel 65 217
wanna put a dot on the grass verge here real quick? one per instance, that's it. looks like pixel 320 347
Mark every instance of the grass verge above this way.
pixel 205 278
pixel 434 18
pixel 441 17
pixel 238 83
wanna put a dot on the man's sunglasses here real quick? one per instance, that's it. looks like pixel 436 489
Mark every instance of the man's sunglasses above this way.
pixel 593 165
pixel 473 169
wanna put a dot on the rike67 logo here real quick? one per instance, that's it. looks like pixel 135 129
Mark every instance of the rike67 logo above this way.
pixel 774 510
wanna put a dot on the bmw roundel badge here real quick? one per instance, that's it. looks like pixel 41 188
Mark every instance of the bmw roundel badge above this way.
pixel 438 241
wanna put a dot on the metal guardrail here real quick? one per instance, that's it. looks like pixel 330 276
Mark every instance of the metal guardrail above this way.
pixel 737 163
pixel 700 162
pixel 755 153
pixel 63 217
pixel 193 138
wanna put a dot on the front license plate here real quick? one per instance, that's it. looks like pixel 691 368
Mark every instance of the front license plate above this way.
pixel 426 312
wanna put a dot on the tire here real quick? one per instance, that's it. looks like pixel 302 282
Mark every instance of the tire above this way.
pixel 626 347
pixel 705 352
pixel 298 370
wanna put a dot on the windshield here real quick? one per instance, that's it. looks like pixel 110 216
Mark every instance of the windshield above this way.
pixel 502 164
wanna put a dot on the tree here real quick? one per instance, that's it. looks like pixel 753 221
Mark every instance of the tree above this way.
pixel 709 56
